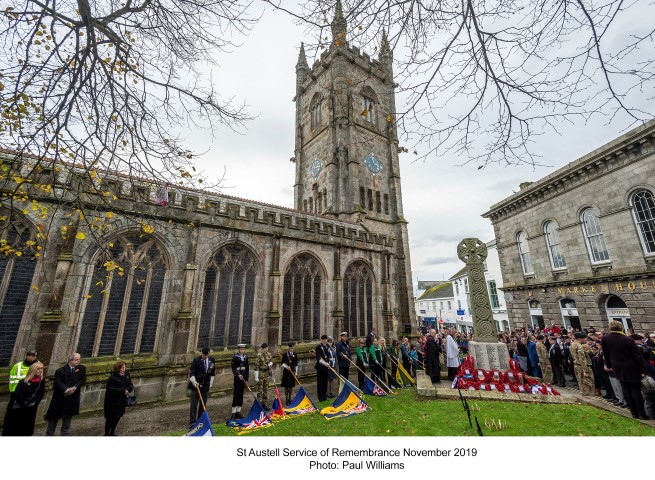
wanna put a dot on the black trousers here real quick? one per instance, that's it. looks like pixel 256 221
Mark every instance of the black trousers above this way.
pixel 452 373
pixel 237 394
pixel 360 375
pixel 321 384
pixel 558 375
pixel 343 371
pixel 633 397
pixel 110 426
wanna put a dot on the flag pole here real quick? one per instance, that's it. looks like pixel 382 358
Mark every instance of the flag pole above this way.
pixel 366 375
pixel 204 409
pixel 291 372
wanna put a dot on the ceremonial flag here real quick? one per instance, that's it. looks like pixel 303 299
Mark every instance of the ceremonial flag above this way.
pixel 300 404
pixel 345 405
pixel 277 411
pixel 371 388
pixel 402 377
pixel 202 427
pixel 343 381
pixel 256 418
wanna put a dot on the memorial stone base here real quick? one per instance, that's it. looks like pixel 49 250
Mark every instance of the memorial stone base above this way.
pixel 489 356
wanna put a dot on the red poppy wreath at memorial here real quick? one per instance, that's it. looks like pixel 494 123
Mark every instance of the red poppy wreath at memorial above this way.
pixel 508 381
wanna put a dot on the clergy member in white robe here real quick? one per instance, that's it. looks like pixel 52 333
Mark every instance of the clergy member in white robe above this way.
pixel 452 355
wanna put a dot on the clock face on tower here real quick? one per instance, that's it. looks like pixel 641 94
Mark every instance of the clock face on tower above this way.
pixel 373 163
pixel 315 168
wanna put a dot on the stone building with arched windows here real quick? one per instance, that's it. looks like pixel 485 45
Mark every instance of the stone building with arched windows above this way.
pixel 577 248
pixel 172 272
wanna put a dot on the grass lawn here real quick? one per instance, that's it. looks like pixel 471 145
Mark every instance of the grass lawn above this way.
pixel 406 415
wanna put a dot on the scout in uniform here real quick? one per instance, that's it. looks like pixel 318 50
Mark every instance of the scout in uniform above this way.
pixel 240 370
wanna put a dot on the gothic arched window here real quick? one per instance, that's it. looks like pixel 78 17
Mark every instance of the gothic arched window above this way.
pixel 358 299
pixel 16 272
pixel 301 304
pixel 594 236
pixel 551 232
pixel 524 252
pixel 228 298
pixel 369 105
pixel 124 299
pixel 643 209
pixel 315 110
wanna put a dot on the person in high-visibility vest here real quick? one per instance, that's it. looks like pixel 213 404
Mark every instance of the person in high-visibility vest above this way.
pixel 19 370
pixel 16 374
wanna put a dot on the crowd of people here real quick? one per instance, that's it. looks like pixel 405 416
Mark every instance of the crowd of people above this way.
pixel 27 386
pixel 612 363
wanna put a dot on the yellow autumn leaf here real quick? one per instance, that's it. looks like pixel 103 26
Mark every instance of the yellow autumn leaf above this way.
pixel 35 288
pixel 109 215
pixel 80 236
pixel 18 253
pixel 88 296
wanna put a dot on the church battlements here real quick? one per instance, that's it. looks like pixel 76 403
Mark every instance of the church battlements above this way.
pixel 184 204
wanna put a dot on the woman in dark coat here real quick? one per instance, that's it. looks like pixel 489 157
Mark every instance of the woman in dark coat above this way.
pixel 289 365
pixel 119 386
pixel 623 358
pixel 24 403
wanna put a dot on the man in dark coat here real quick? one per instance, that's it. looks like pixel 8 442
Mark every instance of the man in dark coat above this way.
pixel 201 378
pixel 556 357
pixel 622 357
pixel 66 390
pixel 343 355
pixel 432 352
pixel 370 337
pixel 322 355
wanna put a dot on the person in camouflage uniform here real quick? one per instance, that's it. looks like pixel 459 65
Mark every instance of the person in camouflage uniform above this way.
pixel 544 362
pixel 263 371
pixel 582 364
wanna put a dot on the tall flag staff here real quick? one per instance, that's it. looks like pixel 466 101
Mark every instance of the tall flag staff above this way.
pixel 366 375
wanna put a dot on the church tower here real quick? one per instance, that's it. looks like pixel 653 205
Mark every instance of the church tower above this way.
pixel 346 148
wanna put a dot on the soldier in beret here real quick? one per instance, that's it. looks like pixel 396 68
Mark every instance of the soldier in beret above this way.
pixel 581 354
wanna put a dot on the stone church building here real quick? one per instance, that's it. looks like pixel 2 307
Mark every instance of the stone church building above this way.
pixel 203 269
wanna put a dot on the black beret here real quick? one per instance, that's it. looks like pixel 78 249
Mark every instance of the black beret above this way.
pixel 636 336
pixel 540 337
pixel 290 345
pixel 264 345
pixel 580 335
pixel 324 337
pixel 205 351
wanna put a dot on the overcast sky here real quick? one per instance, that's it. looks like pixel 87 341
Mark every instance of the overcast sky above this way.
pixel 443 202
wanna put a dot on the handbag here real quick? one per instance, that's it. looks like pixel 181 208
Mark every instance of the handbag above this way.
pixel 131 399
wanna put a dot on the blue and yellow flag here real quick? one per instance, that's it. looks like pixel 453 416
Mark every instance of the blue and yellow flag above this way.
pixel 256 418
pixel 202 427
pixel 300 404
pixel 345 405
